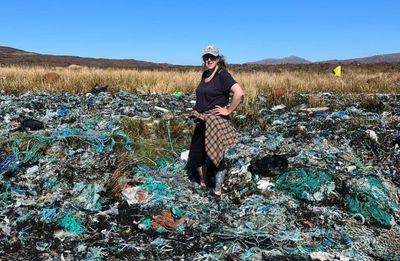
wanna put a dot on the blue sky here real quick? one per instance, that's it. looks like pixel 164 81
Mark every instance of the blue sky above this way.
pixel 176 31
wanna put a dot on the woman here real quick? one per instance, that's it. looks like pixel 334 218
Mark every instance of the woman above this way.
pixel 213 133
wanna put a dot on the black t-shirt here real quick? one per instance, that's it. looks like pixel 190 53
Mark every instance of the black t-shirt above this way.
pixel 215 92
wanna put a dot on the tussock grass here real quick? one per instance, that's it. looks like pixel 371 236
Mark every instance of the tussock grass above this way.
pixel 315 101
pixel 151 141
pixel 18 80
pixel 278 86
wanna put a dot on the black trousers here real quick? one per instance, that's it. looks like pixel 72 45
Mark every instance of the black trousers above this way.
pixel 197 152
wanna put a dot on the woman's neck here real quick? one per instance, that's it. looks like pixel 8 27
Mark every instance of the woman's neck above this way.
pixel 212 73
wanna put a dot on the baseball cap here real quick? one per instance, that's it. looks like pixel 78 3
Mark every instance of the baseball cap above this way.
pixel 211 49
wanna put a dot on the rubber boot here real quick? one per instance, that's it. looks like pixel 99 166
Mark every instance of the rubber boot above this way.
pixel 219 181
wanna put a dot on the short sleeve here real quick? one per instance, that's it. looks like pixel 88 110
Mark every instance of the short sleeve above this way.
pixel 227 80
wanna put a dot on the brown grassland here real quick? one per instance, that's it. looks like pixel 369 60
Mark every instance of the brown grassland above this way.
pixel 273 83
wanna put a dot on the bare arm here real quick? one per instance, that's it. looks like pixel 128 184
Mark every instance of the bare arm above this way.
pixel 236 99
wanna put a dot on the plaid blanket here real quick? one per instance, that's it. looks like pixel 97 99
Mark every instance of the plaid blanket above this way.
pixel 219 135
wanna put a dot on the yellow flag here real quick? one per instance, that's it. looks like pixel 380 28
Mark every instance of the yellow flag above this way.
pixel 337 71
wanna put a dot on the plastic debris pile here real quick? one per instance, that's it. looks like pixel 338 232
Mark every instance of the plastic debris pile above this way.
pixel 303 183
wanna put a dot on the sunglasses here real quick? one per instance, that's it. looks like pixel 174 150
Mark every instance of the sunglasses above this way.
pixel 209 56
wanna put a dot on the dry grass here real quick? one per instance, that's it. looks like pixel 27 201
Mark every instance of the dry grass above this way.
pixel 20 80
pixel 121 174
pixel 315 101
pixel 150 137
pixel 276 85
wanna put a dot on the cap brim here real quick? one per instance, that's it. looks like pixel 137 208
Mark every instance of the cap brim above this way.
pixel 212 53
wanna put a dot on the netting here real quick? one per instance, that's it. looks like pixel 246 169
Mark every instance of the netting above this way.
pixel 59 191
pixel 368 197
pixel 27 148
pixel 71 224
pixel 306 185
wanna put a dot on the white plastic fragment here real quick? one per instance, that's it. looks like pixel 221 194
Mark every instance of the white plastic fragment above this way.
pixel 7 118
pixel 351 168
pixel 301 128
pixel 324 256
pixel 5 226
pixel 49 116
pixel 265 184
pixel 112 211
pixel 61 234
pixel 372 135
pixel 278 122
pixel 260 139
pixel 130 194
pixel 161 109
pixel 278 107
pixel 32 170
pixel 185 155
pixel 82 248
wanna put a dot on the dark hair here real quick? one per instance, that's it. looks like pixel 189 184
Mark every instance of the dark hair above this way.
pixel 221 63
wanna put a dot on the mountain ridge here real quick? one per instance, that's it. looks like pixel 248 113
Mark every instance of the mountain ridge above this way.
pixel 382 58
pixel 13 56
pixel 290 59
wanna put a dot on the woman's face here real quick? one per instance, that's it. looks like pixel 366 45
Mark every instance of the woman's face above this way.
pixel 210 61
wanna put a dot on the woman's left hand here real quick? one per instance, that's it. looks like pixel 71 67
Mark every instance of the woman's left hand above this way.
pixel 220 111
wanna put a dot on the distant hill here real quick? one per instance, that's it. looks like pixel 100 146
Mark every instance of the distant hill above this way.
pixel 12 56
pixel 287 60
pixel 384 58
pixel 12 51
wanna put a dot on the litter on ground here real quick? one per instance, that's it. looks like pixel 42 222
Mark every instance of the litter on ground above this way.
pixel 105 177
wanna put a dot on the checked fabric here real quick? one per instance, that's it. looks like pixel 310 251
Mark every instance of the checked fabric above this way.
pixel 219 135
